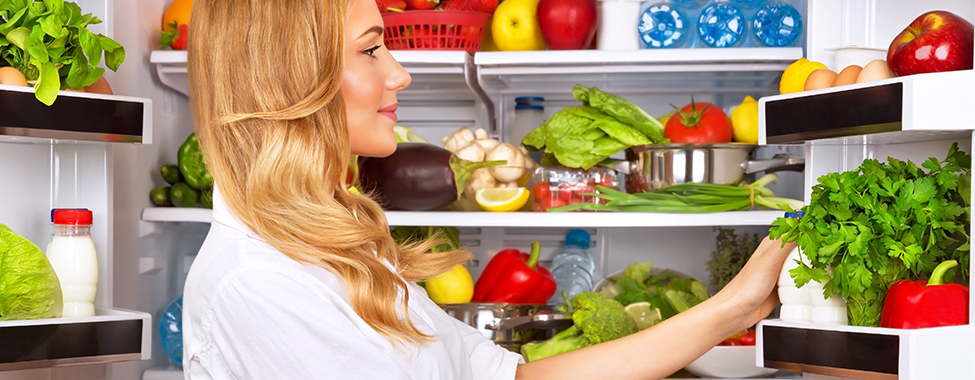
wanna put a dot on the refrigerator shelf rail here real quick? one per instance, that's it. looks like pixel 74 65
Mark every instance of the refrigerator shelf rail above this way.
pixel 111 336
pixel 903 109
pixel 73 117
pixel 518 219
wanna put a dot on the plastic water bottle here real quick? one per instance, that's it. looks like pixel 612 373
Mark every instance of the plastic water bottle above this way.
pixel 663 26
pixel 573 266
pixel 171 331
pixel 777 24
pixel 690 4
pixel 749 4
pixel 721 24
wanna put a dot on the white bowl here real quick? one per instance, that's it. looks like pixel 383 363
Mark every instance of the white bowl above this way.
pixel 728 362
pixel 855 55
pixel 653 271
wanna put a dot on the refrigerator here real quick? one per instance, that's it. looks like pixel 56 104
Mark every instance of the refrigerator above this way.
pixel 145 252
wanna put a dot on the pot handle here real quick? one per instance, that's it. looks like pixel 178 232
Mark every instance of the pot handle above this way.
pixel 550 320
pixel 777 163
pixel 622 166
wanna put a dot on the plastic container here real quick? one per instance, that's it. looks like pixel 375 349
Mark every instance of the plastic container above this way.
pixel 529 114
pixel 618 21
pixel 434 30
pixel 855 55
pixel 663 25
pixel 777 24
pixel 722 24
pixel 573 266
pixel 171 331
pixel 556 186
pixel 806 303
pixel 71 252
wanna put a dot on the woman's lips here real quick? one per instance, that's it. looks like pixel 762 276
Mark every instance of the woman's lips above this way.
pixel 390 112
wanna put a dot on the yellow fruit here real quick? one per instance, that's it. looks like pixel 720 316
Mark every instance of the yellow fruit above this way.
pixel 515 27
pixel 178 12
pixel 744 121
pixel 665 117
pixel 501 200
pixel 453 286
pixel 794 77
pixel 487 42
pixel 643 314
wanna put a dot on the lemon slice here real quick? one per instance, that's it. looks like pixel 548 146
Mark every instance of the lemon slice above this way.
pixel 644 315
pixel 501 200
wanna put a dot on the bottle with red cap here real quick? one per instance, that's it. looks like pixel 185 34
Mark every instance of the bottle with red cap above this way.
pixel 72 254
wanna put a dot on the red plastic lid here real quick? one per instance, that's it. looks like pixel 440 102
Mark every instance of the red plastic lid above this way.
pixel 71 216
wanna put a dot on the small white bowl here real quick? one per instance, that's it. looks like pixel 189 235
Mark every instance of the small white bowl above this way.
pixel 855 55
pixel 728 362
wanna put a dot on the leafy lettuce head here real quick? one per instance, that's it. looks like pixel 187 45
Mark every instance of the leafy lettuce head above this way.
pixel 29 288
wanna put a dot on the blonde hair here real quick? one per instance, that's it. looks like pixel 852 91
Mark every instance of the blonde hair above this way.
pixel 265 81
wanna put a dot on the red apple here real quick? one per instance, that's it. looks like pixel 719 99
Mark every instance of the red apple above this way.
pixel 567 24
pixel 936 41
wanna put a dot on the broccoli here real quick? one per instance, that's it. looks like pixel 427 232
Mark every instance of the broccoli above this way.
pixel 595 319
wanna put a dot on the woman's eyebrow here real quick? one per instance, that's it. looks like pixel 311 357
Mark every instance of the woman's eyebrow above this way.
pixel 376 29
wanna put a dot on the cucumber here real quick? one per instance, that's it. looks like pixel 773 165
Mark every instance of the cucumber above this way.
pixel 160 196
pixel 170 174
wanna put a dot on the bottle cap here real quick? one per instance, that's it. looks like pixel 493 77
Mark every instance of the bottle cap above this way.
pixel 71 216
pixel 797 214
pixel 529 99
pixel 529 107
pixel 577 237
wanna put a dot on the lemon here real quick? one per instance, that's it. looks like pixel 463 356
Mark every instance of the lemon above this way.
pixel 663 119
pixel 453 286
pixel 794 77
pixel 744 121
pixel 501 200
pixel 644 315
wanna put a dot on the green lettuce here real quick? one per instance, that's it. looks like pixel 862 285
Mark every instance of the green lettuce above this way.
pixel 29 288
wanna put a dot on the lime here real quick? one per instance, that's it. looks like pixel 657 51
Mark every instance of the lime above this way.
pixel 643 314
pixel 170 174
pixel 160 196
pixel 501 200
pixel 182 195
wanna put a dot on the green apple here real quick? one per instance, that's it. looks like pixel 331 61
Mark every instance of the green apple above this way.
pixel 515 27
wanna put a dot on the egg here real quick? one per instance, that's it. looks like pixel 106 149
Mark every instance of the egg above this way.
pixel 100 86
pixel 11 76
pixel 847 75
pixel 820 78
pixel 875 70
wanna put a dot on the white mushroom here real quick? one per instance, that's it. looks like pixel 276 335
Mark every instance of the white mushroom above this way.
pixel 515 167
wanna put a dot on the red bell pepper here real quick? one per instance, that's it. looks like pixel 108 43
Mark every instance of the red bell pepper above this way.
pixel 920 304
pixel 513 276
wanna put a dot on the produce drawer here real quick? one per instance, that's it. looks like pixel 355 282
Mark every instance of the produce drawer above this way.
pixel 868 353
pixel 112 335
pixel 899 109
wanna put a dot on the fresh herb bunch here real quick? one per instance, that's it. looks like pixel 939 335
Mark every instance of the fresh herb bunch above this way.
pixel 881 223
pixel 49 42
pixel 732 252
pixel 411 235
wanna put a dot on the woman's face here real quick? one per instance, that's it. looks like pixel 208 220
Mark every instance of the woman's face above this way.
pixel 369 82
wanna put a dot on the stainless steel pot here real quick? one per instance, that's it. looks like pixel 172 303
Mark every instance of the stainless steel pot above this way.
pixel 510 325
pixel 652 167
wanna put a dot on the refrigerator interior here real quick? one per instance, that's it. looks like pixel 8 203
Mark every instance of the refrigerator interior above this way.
pixel 143 263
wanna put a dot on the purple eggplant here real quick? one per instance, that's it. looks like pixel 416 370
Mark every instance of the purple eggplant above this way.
pixel 417 177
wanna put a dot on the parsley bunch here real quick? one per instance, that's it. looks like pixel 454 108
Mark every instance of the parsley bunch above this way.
pixel 881 223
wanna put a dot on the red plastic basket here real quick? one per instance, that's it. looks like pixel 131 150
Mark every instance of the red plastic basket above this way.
pixel 434 30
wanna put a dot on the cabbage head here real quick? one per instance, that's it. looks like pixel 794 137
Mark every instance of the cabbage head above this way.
pixel 29 288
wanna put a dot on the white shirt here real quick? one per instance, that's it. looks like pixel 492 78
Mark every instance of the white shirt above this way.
pixel 250 312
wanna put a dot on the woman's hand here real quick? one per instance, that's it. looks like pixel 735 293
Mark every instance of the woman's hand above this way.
pixel 753 289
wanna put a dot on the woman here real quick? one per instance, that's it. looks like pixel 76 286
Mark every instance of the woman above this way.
pixel 298 278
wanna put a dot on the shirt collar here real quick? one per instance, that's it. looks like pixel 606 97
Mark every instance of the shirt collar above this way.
pixel 223 215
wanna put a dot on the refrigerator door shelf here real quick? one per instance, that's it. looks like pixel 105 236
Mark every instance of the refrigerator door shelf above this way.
pixel 111 336
pixel 903 109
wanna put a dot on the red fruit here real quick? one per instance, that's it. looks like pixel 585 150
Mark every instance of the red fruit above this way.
pixel 485 6
pixel 176 38
pixel 567 24
pixel 391 5
pixel 488 6
pixel 421 4
pixel 936 41
pixel 699 123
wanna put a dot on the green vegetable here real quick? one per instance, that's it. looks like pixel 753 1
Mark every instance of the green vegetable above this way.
pixel 182 195
pixel 170 174
pixel 595 319
pixel 160 196
pixel 206 198
pixel 732 252
pixel 688 198
pixel 408 234
pixel 29 287
pixel 880 223
pixel 665 291
pixel 50 43
pixel 191 165
pixel 583 136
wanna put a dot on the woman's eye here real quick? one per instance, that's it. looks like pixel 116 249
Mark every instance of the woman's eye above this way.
pixel 372 50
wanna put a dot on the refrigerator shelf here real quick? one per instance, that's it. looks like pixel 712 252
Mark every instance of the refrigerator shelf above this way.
pixel 73 117
pixel 903 109
pixel 517 219
pixel 111 336
pixel 869 353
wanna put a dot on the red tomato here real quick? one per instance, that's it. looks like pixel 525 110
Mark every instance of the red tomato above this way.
pixel 699 123
pixel 747 339
pixel 542 191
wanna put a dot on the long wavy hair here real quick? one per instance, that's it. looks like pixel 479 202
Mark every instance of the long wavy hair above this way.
pixel 265 79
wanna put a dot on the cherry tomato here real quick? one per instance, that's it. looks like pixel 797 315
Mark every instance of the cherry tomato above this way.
pixel 700 123
pixel 747 339
pixel 607 181
pixel 542 191
pixel 564 193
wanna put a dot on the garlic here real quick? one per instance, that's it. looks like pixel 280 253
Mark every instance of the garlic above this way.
pixel 486 144
pixel 459 139
pixel 470 152
pixel 480 133
pixel 514 169
pixel 507 185
pixel 480 179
